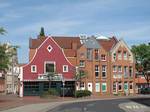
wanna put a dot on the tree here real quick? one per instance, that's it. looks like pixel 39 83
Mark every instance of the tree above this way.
pixel 81 74
pixel 2 31
pixel 4 58
pixel 142 56
pixel 42 33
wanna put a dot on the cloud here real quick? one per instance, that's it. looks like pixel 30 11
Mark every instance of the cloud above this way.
pixel 4 5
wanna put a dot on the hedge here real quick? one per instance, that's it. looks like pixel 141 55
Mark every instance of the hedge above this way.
pixel 82 93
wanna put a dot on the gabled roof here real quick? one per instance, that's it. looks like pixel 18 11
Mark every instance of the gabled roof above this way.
pixel 108 44
pixel 63 42
pixel 66 42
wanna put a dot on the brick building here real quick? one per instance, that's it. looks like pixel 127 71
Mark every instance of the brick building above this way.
pixel 104 66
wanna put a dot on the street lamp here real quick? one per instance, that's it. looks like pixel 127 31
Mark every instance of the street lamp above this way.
pixel 63 83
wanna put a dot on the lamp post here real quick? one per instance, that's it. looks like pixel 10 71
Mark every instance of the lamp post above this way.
pixel 63 83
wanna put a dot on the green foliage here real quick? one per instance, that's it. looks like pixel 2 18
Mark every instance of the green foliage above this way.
pixel 81 75
pixel 142 56
pixel 82 93
pixel 2 31
pixel 42 33
pixel 4 58
pixel 50 92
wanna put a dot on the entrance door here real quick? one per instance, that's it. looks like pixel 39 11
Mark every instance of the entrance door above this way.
pixel 115 88
pixel 90 87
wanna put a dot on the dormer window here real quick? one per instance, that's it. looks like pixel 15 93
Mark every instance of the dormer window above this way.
pixel 49 48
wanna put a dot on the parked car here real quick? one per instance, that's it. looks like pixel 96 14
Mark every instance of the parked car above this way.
pixel 145 90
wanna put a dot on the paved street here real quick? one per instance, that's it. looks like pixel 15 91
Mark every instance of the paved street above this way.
pixel 128 105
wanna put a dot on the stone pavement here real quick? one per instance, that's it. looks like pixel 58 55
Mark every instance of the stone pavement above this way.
pixel 43 104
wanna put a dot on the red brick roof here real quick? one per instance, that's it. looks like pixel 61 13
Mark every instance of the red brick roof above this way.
pixel 108 44
pixel 63 42
pixel 66 42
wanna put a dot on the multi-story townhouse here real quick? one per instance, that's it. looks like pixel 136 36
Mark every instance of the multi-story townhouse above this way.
pixel 104 66
pixel 108 65
pixel 122 69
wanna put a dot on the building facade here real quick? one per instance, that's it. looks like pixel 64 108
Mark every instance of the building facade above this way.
pixel 102 66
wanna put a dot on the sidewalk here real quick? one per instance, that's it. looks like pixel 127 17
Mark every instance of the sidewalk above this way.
pixel 43 107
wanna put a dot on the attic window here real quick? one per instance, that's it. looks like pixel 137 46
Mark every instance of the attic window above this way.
pixel 49 48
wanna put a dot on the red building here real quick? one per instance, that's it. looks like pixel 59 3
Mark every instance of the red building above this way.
pixel 46 59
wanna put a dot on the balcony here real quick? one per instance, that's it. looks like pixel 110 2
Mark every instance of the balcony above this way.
pixel 53 77
pixel 117 76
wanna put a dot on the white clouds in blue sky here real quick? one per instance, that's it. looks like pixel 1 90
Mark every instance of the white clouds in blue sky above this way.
pixel 22 19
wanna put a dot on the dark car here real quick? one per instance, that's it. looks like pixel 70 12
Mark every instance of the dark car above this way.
pixel 145 90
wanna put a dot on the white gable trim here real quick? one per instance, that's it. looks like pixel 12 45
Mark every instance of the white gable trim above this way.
pixel 42 45
pixel 35 53
pixel 122 42
pixel 62 52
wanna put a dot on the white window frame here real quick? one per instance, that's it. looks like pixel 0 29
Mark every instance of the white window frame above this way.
pixel 125 55
pixel 97 70
pixel 114 68
pixel 49 62
pixel 97 87
pixel 119 55
pixel 83 63
pixel 120 69
pixel 49 50
pixel 104 83
pixel 104 70
pixel 32 68
pixel 120 84
pixel 104 57
pixel 64 68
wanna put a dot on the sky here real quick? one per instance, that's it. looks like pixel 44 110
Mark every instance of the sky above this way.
pixel 127 19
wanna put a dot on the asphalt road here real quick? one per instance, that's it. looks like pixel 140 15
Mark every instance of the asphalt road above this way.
pixel 99 106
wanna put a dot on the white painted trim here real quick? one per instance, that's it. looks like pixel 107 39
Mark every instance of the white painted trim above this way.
pixel 50 62
pixel 62 51
pixel 35 53
pixel 66 68
pixel 32 69
pixel 50 47
pixel 113 50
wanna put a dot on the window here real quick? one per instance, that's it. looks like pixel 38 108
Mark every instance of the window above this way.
pixel 82 55
pixel 104 71
pixel 89 54
pixel 125 86
pixel 104 87
pixel 125 71
pixel 114 56
pixel 119 69
pixel 65 68
pixel 130 71
pixel 96 54
pixel 49 67
pixel 131 85
pixel 119 86
pixel 103 57
pixel 119 55
pixel 82 63
pixel 114 86
pixel 125 55
pixel 97 87
pixel 33 69
pixel 49 48
pixel 114 68
pixel 96 71
pixel 82 85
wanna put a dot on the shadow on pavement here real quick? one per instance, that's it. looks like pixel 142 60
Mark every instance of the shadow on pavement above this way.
pixel 144 101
